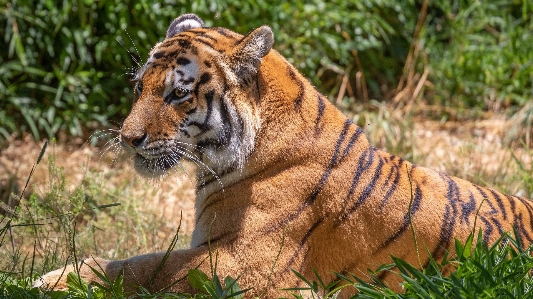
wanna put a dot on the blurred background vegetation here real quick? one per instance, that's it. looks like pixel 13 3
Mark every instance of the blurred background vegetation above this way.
pixel 65 65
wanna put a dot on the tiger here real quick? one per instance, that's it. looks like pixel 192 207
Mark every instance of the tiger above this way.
pixel 285 181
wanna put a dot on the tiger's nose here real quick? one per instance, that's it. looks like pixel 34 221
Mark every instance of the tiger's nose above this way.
pixel 135 140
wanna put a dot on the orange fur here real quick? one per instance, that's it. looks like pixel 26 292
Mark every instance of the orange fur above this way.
pixel 292 163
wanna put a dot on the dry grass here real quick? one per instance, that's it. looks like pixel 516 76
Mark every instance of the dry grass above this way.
pixel 145 221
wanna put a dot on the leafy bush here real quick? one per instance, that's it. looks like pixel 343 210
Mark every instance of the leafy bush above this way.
pixel 65 69
pixel 478 53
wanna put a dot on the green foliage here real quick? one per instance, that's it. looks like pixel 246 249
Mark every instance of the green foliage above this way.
pixel 501 270
pixel 478 53
pixel 317 289
pixel 524 172
pixel 214 288
pixel 65 69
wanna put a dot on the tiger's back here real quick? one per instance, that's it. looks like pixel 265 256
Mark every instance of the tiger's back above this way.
pixel 277 161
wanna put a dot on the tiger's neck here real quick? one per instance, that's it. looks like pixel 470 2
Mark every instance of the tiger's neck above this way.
pixel 296 124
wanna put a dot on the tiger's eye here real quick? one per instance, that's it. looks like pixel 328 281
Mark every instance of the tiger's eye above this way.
pixel 139 87
pixel 180 93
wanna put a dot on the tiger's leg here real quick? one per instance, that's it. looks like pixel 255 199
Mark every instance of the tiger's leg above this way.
pixel 146 270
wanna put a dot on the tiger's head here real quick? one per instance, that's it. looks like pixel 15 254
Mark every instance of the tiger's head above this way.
pixel 195 98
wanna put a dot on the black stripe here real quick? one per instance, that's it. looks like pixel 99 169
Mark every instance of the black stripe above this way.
pixel 446 233
pixel 393 185
pixel 299 97
pixel 406 218
pixel 191 111
pixel 487 199
pixel 304 240
pixel 361 167
pixel 207 63
pixel 383 274
pixel 487 231
pixel 520 229
pixel 158 55
pixel 500 203
pixel 223 32
pixel 184 43
pixel 498 224
pixel 400 162
pixel 209 102
pixel 200 126
pixel 173 53
pixel 320 114
pixel 202 41
pixel 367 190
pixel 467 209
pixel 512 203
pixel 351 143
pixel 448 224
pixel 331 165
pixel 519 225
pixel 182 61
pixel 525 202
pixel 323 179
pixel 185 132
pixel 187 81
pixel 393 169
pixel 225 135
pixel 204 78
pixel 452 194
pixel 209 37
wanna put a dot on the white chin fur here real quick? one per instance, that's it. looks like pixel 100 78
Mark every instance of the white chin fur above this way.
pixel 147 169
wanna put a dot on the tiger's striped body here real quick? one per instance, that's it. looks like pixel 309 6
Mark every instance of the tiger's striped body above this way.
pixel 285 161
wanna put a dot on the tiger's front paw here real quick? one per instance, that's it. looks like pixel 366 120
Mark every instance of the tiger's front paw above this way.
pixel 57 279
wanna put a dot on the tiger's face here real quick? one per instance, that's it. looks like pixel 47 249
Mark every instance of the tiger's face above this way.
pixel 195 99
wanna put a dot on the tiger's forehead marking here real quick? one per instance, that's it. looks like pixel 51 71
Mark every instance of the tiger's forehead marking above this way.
pixel 178 58
pixel 182 76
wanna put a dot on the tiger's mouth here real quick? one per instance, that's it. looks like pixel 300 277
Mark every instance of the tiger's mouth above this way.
pixel 154 167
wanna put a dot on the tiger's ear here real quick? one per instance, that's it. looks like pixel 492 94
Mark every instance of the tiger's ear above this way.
pixel 245 58
pixel 184 22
